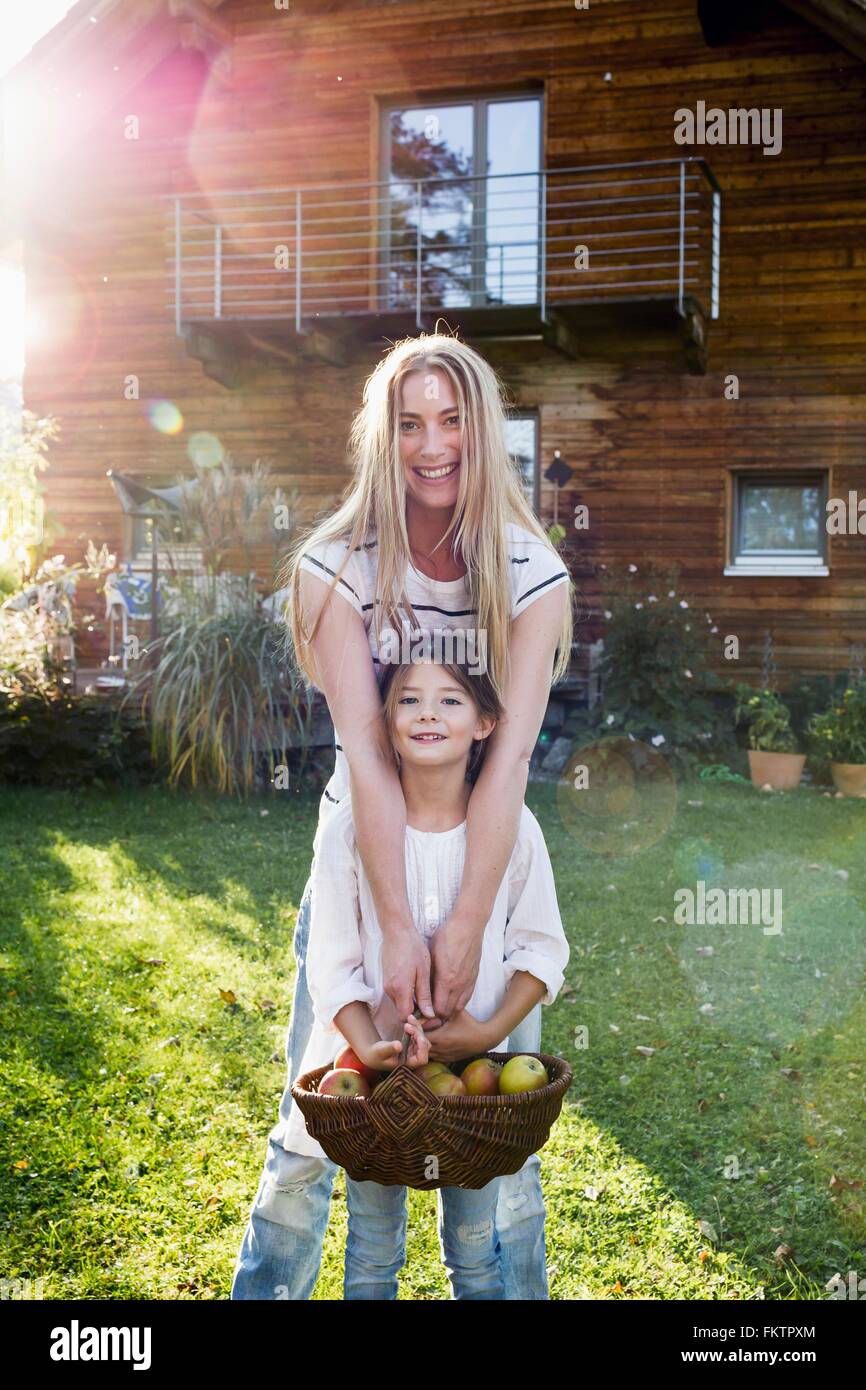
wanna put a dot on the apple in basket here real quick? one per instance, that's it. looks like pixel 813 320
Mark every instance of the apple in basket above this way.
pixel 522 1074
pixel 350 1059
pixel 481 1077
pixel 341 1081
pixel 431 1069
pixel 446 1084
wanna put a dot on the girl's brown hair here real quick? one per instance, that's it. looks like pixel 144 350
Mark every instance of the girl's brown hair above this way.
pixel 479 687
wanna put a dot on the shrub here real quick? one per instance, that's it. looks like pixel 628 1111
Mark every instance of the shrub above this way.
pixel 657 680
pixel 65 740
pixel 224 708
pixel 220 701
pixel 768 720
pixel 839 734
pixel 36 621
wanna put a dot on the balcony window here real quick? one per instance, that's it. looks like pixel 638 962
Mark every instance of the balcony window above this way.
pixel 464 188
pixel 521 437
pixel 778 524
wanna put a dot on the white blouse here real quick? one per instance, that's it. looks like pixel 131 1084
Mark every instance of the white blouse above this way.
pixel 534 567
pixel 344 956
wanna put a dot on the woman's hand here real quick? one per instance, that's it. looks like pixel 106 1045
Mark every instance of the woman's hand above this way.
pixel 456 952
pixel 406 971
pixel 462 1036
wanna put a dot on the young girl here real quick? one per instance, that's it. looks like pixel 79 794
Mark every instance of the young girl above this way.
pixel 438 717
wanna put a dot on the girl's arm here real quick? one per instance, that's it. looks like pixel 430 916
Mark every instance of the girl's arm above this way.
pixel 357 1027
pixel 464 1035
pixel 344 672
pixel 493 814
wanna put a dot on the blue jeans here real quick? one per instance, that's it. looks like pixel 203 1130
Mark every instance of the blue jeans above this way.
pixel 281 1250
pixel 376 1243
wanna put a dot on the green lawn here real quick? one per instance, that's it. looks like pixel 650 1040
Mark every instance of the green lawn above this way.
pixel 146 976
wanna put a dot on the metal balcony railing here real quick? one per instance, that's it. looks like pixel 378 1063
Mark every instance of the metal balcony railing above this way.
pixel 555 237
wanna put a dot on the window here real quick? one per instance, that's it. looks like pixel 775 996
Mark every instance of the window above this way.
pixel 464 200
pixel 521 437
pixel 778 524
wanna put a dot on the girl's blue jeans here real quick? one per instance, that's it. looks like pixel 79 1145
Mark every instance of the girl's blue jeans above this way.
pixel 281 1250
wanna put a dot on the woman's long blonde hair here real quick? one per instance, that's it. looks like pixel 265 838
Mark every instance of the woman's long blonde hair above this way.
pixel 490 496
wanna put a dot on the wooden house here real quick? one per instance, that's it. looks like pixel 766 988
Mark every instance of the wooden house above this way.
pixel 650 219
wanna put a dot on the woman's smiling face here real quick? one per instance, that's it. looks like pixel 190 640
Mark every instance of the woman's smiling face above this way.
pixel 430 438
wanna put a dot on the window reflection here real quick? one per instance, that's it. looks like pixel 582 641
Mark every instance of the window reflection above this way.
pixel 476 240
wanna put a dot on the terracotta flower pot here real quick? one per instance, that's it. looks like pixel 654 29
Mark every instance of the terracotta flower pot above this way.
pixel 849 778
pixel 782 770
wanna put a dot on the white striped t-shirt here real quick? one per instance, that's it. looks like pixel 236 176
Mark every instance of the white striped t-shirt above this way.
pixel 534 568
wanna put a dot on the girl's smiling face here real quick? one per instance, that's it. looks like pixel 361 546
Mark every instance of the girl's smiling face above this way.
pixel 434 720
pixel 430 438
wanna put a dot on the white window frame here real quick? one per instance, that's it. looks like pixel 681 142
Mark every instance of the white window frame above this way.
pixel 789 564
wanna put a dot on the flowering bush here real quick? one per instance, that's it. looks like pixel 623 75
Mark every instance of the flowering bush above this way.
pixel 38 620
pixel 768 719
pixel 839 734
pixel 655 669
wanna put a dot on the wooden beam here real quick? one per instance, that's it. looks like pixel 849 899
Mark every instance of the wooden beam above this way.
pixel 558 335
pixel 693 335
pixel 221 357
pixel 842 20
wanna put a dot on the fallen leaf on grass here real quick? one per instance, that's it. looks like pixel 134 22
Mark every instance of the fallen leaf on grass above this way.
pixel 267 1006
pixel 783 1252
pixel 791 1073
pixel 836 1182
pixel 228 996
pixel 151 960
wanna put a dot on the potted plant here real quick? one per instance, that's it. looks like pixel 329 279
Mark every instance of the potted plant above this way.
pixel 773 759
pixel 840 735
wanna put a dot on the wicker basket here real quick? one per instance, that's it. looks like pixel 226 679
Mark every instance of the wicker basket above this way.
pixel 392 1136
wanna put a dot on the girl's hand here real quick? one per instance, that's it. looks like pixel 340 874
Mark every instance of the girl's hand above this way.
pixel 462 1036
pixel 419 1045
pixel 382 1056
pixel 385 1056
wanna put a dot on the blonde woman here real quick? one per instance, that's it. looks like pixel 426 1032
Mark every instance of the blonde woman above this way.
pixel 436 538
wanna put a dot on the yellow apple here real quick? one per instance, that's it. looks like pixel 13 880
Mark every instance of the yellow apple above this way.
pixel 522 1073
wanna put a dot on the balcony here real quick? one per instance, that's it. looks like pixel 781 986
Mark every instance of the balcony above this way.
pixel 555 255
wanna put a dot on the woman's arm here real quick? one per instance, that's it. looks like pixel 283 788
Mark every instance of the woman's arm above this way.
pixel 493 814
pixel 344 672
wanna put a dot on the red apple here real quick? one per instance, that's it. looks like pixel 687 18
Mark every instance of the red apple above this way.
pixel 341 1081
pixel 352 1062
pixel 431 1069
pixel 481 1077
pixel 446 1084
pixel 522 1074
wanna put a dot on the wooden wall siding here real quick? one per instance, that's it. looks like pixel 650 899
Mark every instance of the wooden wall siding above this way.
pixel 651 445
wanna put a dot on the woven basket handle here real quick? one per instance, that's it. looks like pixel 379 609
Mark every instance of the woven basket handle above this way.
pixel 407 1038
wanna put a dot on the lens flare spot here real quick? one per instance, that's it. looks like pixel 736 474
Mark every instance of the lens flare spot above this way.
pixel 165 417
pixel 204 449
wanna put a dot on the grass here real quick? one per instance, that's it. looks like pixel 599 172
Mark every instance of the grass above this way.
pixel 145 983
